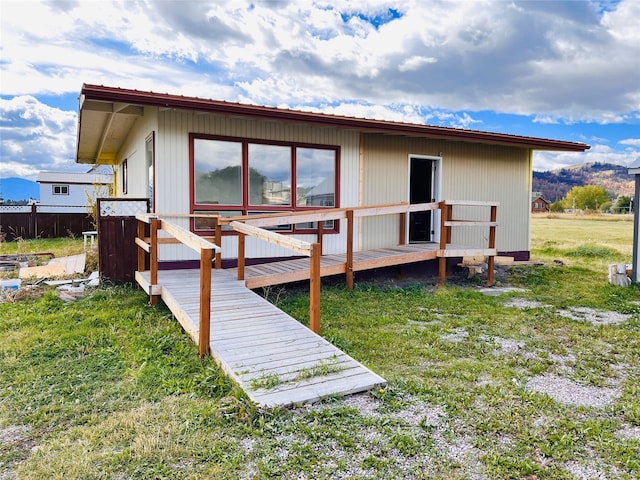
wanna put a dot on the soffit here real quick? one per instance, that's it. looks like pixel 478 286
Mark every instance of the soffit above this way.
pixel 103 129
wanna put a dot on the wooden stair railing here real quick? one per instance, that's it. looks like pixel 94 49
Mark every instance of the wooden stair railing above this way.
pixel 203 247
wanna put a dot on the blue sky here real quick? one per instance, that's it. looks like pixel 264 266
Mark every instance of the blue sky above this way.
pixel 565 70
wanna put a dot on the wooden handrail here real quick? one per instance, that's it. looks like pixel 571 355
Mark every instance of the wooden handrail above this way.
pixel 311 250
pixel 202 246
pixel 447 221
pixel 319 215
pixel 298 246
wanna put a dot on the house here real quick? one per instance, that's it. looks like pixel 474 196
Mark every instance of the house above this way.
pixel 196 156
pixel 72 192
pixel 538 203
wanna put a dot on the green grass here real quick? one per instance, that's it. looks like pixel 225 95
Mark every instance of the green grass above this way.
pixel 110 387
pixel 590 240
pixel 60 247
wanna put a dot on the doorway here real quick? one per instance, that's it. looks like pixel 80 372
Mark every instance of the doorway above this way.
pixel 422 189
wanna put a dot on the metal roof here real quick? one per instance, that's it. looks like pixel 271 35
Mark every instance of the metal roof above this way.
pixel 108 113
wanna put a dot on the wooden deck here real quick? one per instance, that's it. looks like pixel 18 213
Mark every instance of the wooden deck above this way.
pixel 286 271
pixel 274 358
pixel 276 273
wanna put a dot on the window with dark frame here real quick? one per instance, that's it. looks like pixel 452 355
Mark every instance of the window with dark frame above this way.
pixel 235 176
pixel 60 189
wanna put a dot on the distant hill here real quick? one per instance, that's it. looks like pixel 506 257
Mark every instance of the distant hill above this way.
pixel 555 184
pixel 14 188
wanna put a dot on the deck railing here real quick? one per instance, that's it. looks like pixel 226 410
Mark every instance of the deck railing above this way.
pixel 311 250
pixel 254 225
pixel 447 222
pixel 203 247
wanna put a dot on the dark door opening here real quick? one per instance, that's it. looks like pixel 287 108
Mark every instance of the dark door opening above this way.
pixel 421 177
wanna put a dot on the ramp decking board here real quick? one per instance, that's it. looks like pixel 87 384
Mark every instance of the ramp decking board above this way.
pixel 251 339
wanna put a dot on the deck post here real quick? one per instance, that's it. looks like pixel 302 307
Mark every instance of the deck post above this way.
pixel 403 229
pixel 349 258
pixel 320 233
pixel 314 288
pixel 218 241
pixel 241 262
pixel 155 225
pixel 204 335
pixel 442 261
pixel 492 244
pixel 141 255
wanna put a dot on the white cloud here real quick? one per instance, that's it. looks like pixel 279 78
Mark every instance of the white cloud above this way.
pixel 527 58
pixel 415 62
pixel 36 137
pixel 544 161
pixel 439 61
pixel 634 142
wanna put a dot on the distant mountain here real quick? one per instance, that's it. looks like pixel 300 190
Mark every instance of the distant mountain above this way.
pixel 555 184
pixel 14 188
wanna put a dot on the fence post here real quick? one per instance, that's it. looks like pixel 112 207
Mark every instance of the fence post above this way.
pixel 314 288
pixel 403 229
pixel 33 221
pixel 204 338
pixel 320 234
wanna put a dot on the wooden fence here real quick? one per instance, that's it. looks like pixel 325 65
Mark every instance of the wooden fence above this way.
pixel 43 221
pixel 117 230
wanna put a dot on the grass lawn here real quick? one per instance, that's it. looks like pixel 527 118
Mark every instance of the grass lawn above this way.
pixel 542 382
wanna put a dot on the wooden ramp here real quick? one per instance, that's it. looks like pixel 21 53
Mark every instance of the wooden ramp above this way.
pixel 276 360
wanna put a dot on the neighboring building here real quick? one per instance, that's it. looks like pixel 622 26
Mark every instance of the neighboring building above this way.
pixel 73 192
pixel 190 155
pixel 538 204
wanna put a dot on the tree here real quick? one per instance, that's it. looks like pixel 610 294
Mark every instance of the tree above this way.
pixel 589 197
pixel 557 207
pixel 622 205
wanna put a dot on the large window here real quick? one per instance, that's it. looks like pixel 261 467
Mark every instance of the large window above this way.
pixel 243 177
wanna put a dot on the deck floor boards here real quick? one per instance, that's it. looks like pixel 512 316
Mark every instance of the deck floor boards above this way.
pixel 272 273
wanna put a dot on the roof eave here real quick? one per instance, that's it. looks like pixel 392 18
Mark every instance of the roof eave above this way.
pixel 112 94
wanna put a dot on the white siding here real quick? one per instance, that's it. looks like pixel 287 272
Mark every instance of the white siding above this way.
pixel 172 169
pixel 77 194
pixel 133 152
pixel 469 172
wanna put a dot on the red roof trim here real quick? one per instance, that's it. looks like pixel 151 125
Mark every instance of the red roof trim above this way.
pixel 115 94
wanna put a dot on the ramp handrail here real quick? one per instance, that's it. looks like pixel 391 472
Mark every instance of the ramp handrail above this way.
pixel 206 250
pixel 311 250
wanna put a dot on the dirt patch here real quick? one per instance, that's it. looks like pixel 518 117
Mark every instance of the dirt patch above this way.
pixel 593 316
pixel 13 434
pixel 630 433
pixel 458 335
pixel 565 391
pixel 522 304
